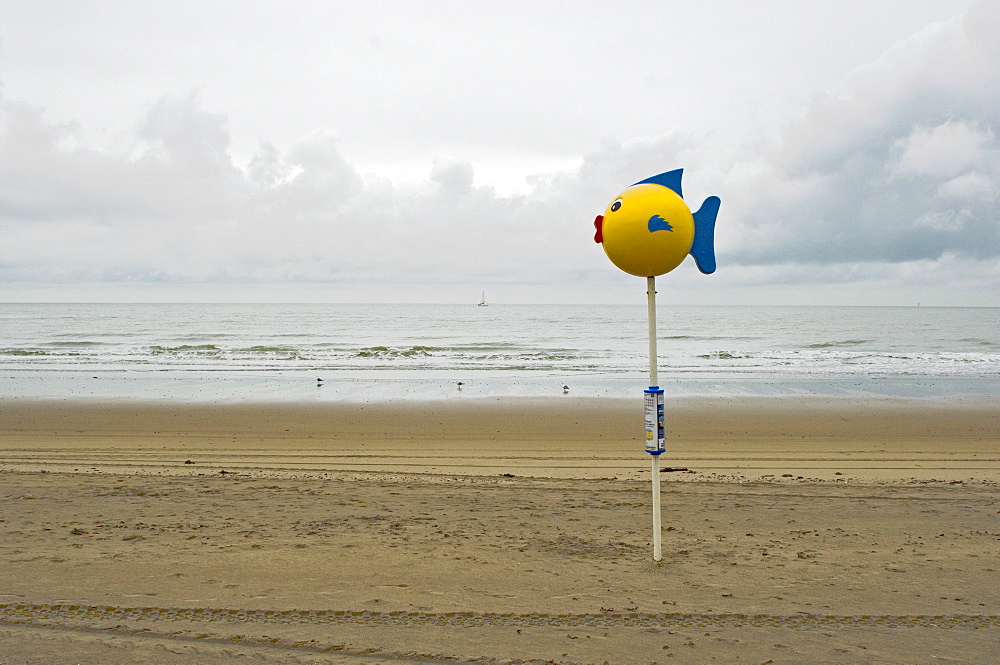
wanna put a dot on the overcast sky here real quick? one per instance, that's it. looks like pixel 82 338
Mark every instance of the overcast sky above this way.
pixel 426 151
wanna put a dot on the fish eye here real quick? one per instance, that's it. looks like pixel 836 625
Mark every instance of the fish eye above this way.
pixel 616 205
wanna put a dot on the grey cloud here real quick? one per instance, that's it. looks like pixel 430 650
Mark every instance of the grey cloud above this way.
pixel 173 207
pixel 42 176
pixel 179 132
pixel 453 176
pixel 902 165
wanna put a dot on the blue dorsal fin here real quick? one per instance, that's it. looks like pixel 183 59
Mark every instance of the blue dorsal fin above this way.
pixel 671 180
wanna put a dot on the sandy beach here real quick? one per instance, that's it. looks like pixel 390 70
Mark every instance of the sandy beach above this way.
pixel 796 530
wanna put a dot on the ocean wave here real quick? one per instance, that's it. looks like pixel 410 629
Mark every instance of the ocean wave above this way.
pixel 724 355
pixel 840 343
pixel 977 341
pixel 186 349
pixel 75 344
pixel 25 353
pixel 478 346
pixel 288 352
pixel 395 352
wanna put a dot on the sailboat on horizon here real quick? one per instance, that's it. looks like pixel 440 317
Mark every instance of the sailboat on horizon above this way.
pixel 482 301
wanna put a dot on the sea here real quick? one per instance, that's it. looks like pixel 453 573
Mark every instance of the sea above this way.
pixel 231 353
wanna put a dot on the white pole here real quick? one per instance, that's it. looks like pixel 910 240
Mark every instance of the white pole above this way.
pixel 653 381
pixel 657 548
pixel 651 303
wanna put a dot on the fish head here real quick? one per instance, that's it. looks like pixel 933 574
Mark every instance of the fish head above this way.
pixel 647 230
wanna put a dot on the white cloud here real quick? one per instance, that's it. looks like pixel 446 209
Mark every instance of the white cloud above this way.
pixel 970 186
pixel 947 150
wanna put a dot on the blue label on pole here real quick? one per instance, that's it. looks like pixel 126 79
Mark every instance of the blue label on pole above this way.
pixel 656 442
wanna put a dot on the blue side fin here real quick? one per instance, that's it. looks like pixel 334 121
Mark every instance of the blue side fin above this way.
pixel 671 180
pixel 703 247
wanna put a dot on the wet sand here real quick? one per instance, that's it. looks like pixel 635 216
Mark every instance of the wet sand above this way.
pixel 794 530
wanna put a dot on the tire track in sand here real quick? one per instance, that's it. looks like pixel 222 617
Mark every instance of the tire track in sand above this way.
pixel 24 613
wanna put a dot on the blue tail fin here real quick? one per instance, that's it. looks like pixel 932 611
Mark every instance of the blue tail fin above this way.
pixel 703 247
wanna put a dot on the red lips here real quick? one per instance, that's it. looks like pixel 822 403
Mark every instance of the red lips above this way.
pixel 599 225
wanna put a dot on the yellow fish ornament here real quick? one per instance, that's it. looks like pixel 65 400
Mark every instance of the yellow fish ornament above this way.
pixel 648 229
